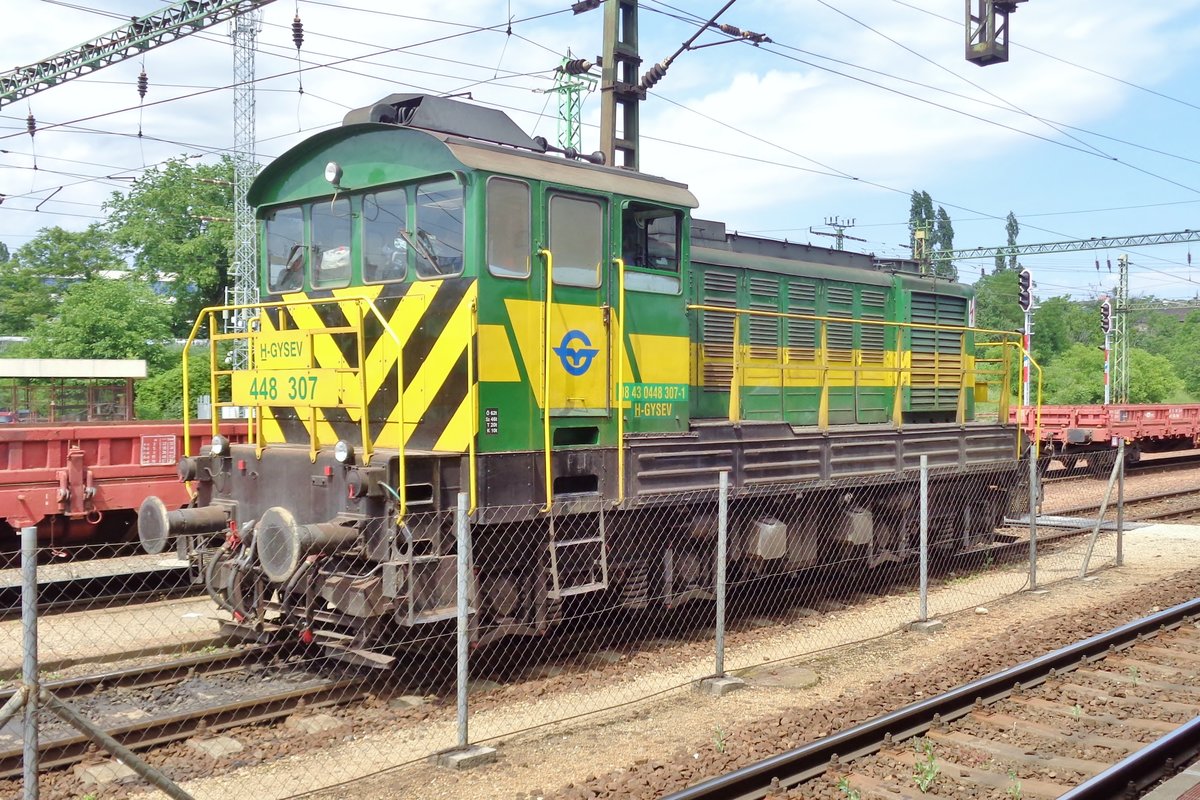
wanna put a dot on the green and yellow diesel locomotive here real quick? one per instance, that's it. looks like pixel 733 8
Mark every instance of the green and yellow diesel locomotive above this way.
pixel 449 308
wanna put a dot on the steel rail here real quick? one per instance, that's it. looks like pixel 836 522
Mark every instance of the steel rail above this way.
pixel 1143 768
pixel 71 595
pixel 1093 507
pixel 162 730
pixel 155 674
pixel 72 748
pixel 804 763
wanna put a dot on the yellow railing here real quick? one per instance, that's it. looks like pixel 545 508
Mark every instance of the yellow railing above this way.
pixel 619 263
pixel 364 307
pixel 546 310
pixel 938 371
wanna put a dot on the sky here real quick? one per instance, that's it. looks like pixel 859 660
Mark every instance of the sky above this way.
pixel 1089 130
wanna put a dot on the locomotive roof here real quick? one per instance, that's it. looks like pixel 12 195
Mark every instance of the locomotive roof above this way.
pixel 493 158
pixel 374 137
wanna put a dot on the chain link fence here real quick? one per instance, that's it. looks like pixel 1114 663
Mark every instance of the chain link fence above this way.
pixel 489 624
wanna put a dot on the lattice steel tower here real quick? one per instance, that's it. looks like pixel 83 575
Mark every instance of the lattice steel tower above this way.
pixel 243 278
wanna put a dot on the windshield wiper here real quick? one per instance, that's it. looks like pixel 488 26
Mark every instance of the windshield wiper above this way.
pixel 419 241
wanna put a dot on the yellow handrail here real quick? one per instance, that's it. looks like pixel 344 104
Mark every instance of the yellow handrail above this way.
pixel 735 385
pixel 549 308
pixel 1008 338
pixel 620 264
pixel 208 315
pixel 364 417
pixel 473 395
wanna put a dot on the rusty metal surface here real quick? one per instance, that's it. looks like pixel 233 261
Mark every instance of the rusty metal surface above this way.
pixel 1097 423
pixel 73 475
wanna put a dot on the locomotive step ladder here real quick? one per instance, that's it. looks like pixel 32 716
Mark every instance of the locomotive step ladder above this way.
pixel 578 550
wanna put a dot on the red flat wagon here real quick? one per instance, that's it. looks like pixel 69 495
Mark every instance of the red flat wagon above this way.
pixel 1075 431
pixel 72 461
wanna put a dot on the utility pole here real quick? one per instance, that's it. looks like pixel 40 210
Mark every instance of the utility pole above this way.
pixel 840 227
pixel 1106 326
pixel 987 31
pixel 619 90
pixel 243 282
pixel 1025 300
pixel 1120 326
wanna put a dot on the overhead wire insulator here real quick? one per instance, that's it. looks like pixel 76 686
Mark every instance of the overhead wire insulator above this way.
pixel 576 66
pixel 653 76
pixel 31 126
pixel 750 36
pixel 297 32
pixel 143 83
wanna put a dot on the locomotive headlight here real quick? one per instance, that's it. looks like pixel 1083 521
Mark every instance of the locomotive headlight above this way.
pixel 343 453
pixel 219 445
pixel 333 173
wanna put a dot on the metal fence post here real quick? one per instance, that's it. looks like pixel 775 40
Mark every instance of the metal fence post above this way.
pixel 722 545
pixel 1033 500
pixel 924 615
pixel 1117 468
pixel 29 665
pixel 463 534
pixel 1121 503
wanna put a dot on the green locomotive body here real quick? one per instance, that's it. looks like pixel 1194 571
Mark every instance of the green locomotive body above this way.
pixel 448 309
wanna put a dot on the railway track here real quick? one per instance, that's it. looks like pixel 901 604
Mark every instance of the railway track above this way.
pixel 1087 721
pixel 1147 466
pixel 153 705
pixel 82 583
pixel 1139 508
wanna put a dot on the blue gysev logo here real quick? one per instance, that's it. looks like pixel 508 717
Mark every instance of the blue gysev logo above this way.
pixel 576 353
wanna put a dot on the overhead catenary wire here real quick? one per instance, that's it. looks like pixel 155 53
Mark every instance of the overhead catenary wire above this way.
pixel 335 5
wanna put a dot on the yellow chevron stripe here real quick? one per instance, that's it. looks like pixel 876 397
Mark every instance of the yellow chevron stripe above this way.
pixel 437 366
pixel 462 426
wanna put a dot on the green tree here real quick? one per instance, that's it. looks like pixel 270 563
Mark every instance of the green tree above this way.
pixel 1007 257
pixel 938 233
pixel 943 239
pixel 58 256
pixel 1059 323
pixel 105 319
pixel 25 300
pixel 31 277
pixel 3 253
pixel 160 396
pixel 1152 379
pixel 920 218
pixel 174 226
pixel 1077 377
pixel 996 302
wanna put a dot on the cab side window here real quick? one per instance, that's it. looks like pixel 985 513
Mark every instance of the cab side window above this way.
pixel 385 252
pixel 508 228
pixel 284 229
pixel 650 244
pixel 577 240
pixel 330 253
pixel 438 238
